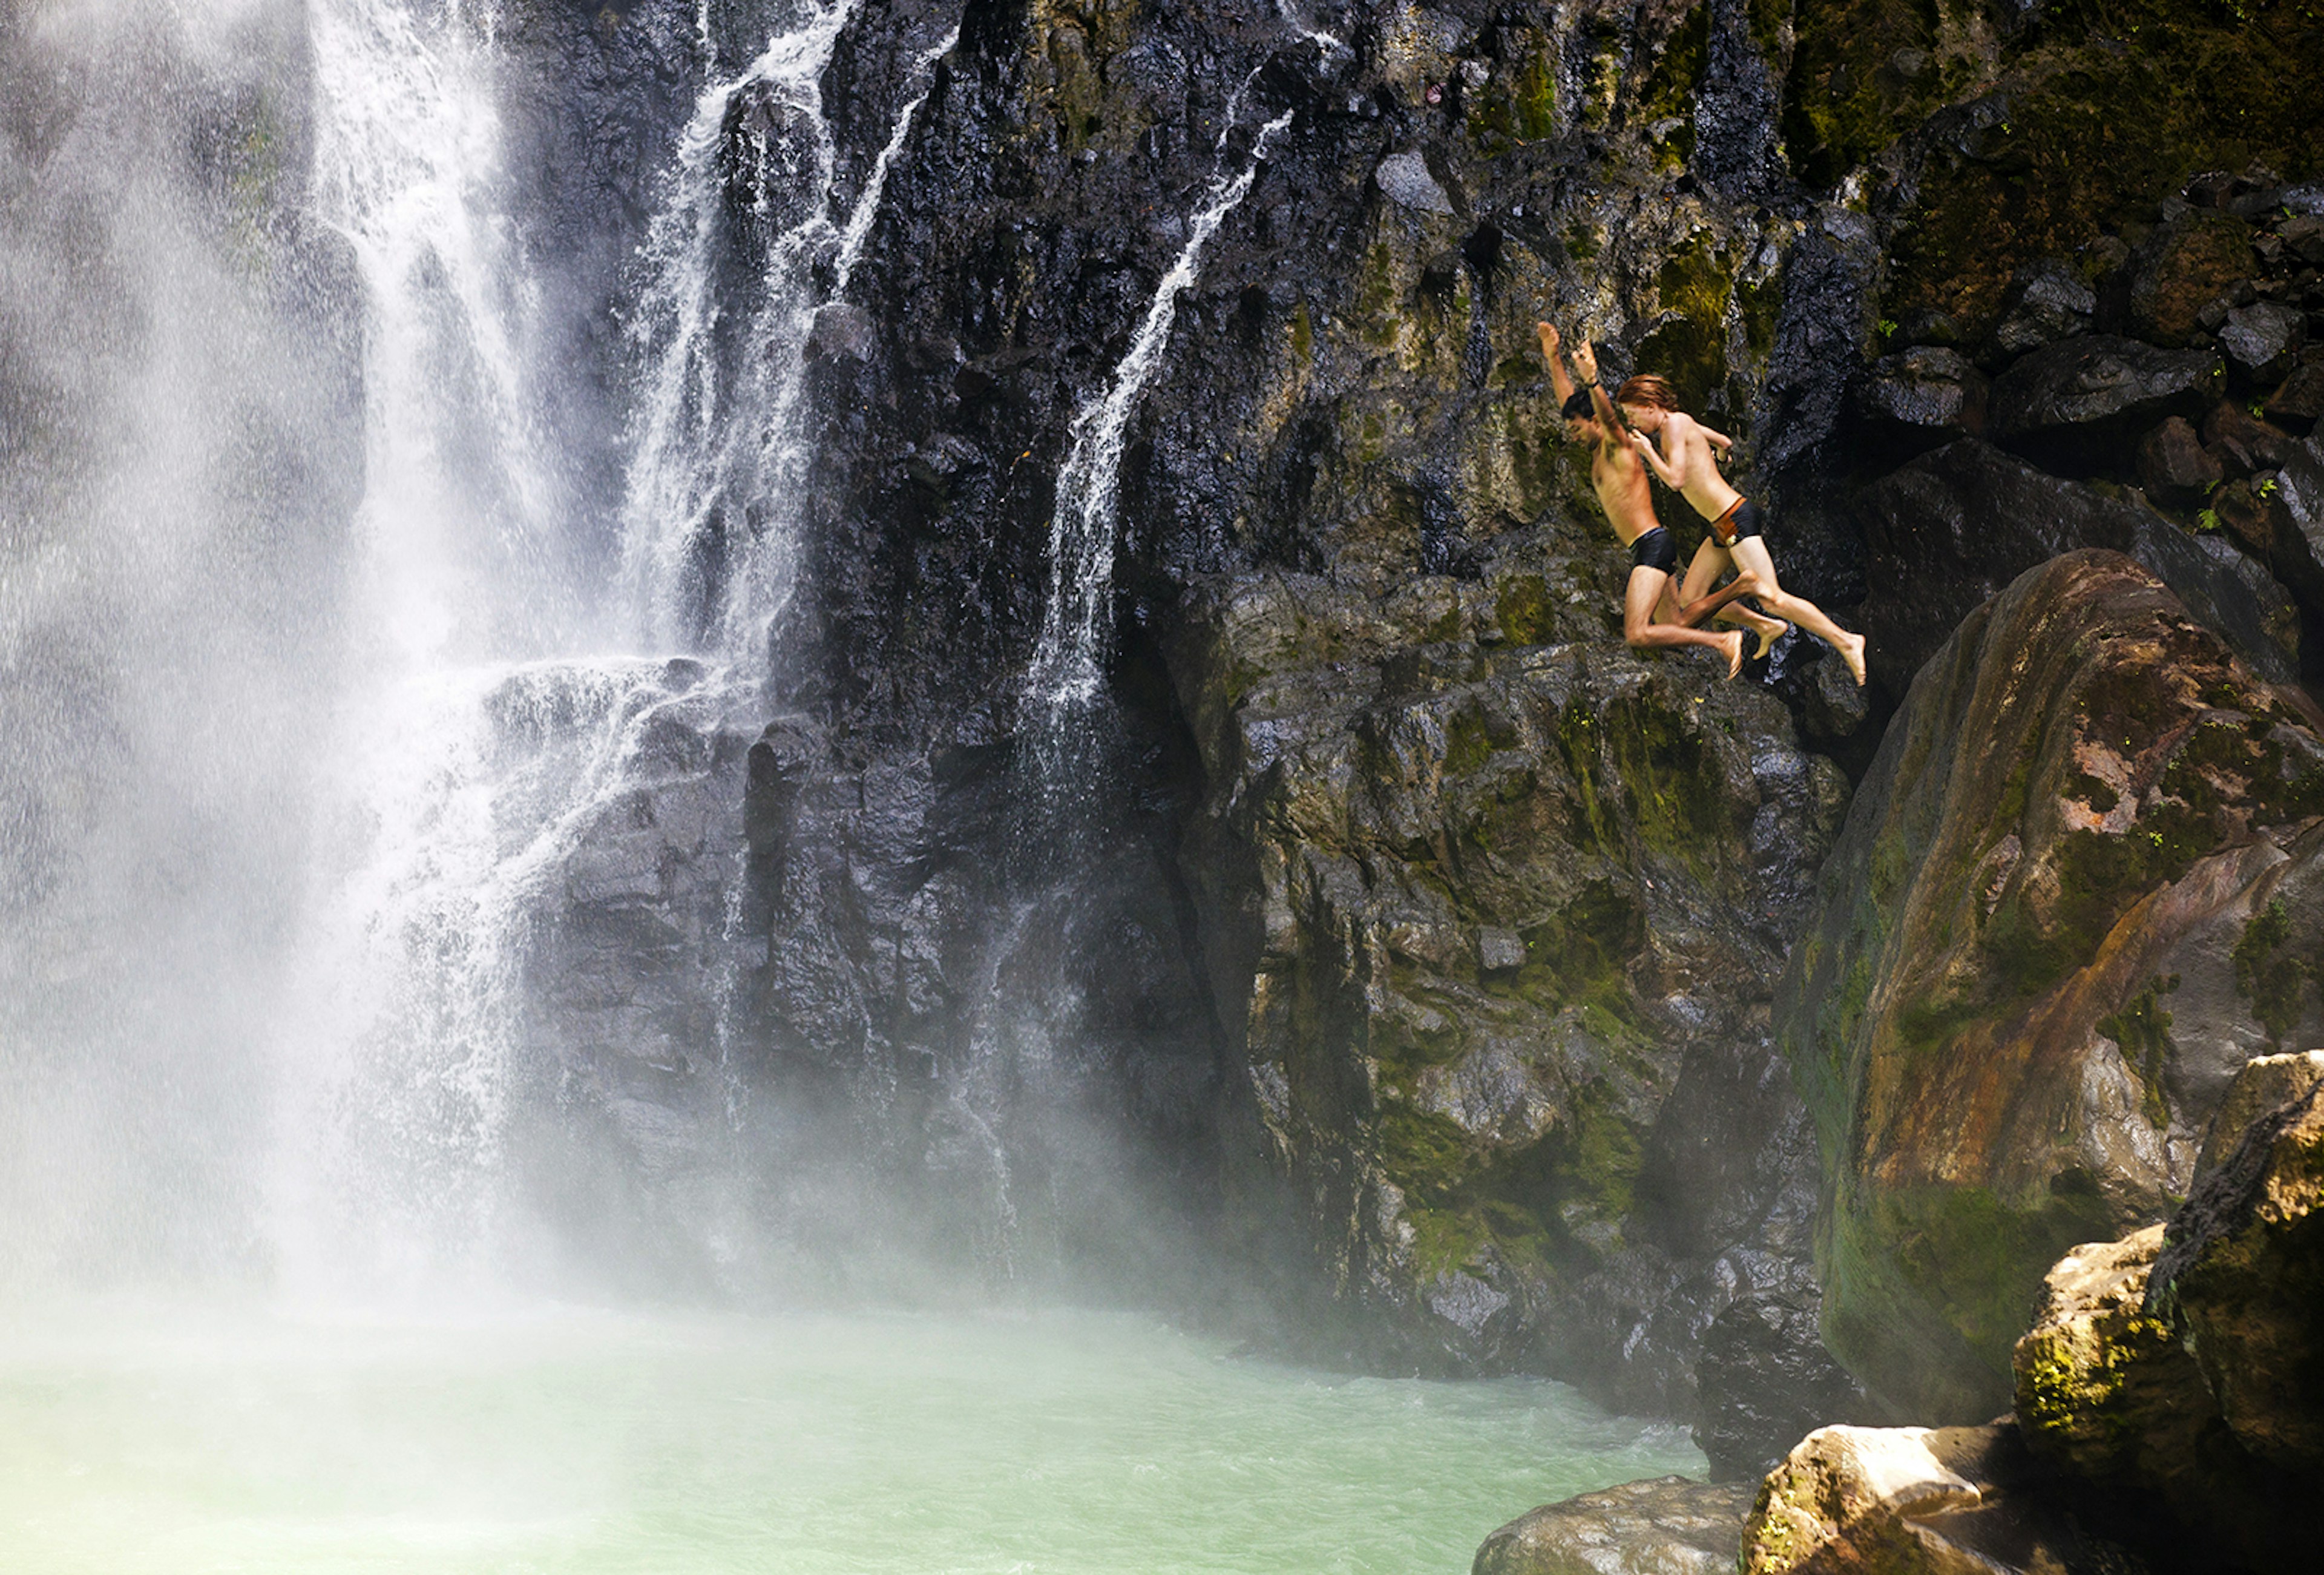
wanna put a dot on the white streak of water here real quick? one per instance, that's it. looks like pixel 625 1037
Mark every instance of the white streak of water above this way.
pixel 709 518
pixel 1067 672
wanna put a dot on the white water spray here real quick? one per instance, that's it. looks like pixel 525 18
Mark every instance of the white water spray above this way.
pixel 1067 672
pixel 456 521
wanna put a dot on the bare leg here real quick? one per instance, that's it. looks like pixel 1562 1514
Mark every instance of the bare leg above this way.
pixel 1648 587
pixel 1751 553
pixel 1710 560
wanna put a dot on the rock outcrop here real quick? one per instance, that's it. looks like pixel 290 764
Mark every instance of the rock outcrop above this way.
pixel 2168 1408
pixel 1667 1525
pixel 1919 1501
pixel 1481 893
pixel 2074 897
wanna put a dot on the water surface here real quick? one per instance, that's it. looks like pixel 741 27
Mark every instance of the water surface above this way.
pixel 665 1444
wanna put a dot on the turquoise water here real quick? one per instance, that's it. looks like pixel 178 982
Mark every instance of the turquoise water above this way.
pixel 665 1444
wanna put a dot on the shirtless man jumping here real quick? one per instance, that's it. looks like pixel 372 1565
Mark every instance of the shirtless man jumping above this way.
pixel 1650 617
pixel 1685 463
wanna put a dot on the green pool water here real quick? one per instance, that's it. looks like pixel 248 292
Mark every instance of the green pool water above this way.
pixel 135 1441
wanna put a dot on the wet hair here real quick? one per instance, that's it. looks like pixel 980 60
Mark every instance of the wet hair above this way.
pixel 1646 388
pixel 1579 408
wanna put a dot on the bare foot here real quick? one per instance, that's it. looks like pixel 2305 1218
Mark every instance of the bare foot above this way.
pixel 1768 642
pixel 1734 644
pixel 1851 651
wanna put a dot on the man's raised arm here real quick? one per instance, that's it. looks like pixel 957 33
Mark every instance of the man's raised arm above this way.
pixel 1585 360
pixel 1558 378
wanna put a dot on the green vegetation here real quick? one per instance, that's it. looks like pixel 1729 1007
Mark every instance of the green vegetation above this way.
pixel 2267 974
pixel 2122 99
pixel 1691 349
pixel 2141 1029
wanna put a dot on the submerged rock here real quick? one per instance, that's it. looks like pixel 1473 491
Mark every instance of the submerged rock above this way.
pixel 1667 1525
pixel 2021 1000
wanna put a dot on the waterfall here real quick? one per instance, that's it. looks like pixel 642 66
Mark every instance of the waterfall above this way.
pixel 720 448
pixel 479 751
pixel 457 524
pixel 1067 673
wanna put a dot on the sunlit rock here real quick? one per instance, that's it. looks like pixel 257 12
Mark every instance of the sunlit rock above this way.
pixel 2069 903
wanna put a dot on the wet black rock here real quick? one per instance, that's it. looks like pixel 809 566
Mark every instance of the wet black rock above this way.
pixel 2078 407
pixel 2047 302
pixel 1949 530
pixel 2263 341
pixel 2299 404
pixel 1765 1382
pixel 2173 465
pixel 2241 443
pixel 1921 399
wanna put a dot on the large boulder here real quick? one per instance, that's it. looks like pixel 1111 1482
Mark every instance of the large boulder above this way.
pixel 1493 906
pixel 2079 406
pixel 1918 399
pixel 2071 901
pixel 1665 1525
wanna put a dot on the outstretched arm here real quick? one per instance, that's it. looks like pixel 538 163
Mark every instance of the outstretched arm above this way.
pixel 1558 378
pixel 1585 362
pixel 1654 459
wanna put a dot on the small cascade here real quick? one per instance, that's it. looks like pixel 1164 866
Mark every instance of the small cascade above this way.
pixel 1067 673
pixel 476 784
pixel 720 445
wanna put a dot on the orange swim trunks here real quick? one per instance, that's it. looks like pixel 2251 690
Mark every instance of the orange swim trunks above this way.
pixel 1741 519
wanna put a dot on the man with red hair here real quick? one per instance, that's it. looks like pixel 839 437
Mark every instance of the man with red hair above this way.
pixel 1686 464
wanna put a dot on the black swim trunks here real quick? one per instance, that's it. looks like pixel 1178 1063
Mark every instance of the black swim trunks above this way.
pixel 1657 549
pixel 1742 518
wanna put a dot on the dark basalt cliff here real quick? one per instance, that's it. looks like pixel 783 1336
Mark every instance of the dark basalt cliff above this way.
pixel 1388 945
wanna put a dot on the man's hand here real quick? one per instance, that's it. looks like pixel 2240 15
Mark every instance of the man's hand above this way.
pixel 1585 362
pixel 1549 340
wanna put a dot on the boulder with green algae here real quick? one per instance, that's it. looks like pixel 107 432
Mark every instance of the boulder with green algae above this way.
pixel 1479 887
pixel 2076 890
pixel 1916 1501
pixel 2173 1376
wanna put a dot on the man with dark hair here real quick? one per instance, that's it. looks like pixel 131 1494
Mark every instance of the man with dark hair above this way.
pixel 1651 618
pixel 1686 464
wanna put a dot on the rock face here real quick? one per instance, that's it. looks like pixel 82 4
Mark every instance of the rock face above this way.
pixel 2174 1373
pixel 1482 896
pixel 1664 1527
pixel 2075 404
pixel 2021 998
pixel 1949 530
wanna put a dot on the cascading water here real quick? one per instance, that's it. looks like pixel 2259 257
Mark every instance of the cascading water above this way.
pixel 720 448
pixel 480 759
